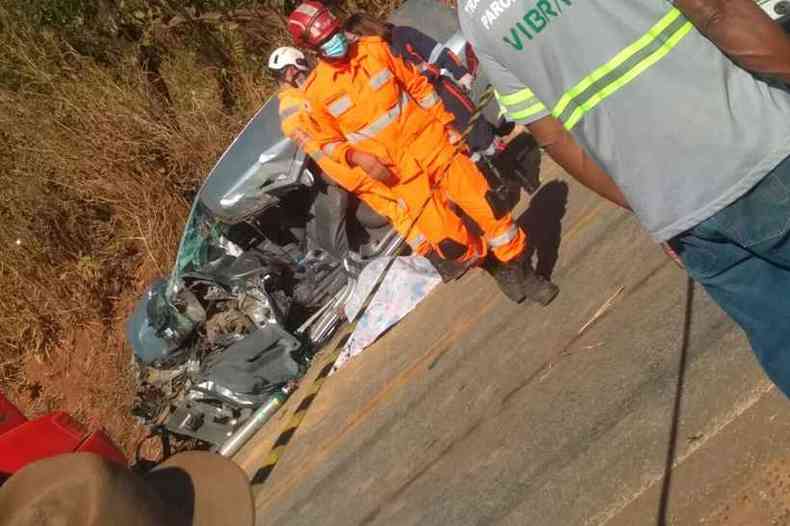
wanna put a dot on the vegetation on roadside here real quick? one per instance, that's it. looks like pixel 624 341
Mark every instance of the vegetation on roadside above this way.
pixel 111 114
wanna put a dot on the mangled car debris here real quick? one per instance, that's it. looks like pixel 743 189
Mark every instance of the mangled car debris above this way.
pixel 249 301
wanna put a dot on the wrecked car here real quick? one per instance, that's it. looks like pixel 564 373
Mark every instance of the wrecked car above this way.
pixel 248 302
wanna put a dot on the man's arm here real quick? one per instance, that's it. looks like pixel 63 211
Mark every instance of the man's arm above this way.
pixel 563 148
pixel 522 106
pixel 324 131
pixel 327 138
pixel 744 32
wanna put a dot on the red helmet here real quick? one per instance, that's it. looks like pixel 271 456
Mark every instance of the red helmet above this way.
pixel 311 24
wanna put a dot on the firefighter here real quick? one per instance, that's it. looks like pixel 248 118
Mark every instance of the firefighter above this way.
pixel 440 66
pixel 374 111
pixel 290 67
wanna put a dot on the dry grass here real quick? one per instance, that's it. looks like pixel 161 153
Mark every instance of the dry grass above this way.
pixel 95 182
pixel 97 174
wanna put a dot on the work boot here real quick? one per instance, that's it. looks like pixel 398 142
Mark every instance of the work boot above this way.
pixel 448 269
pixel 536 287
pixel 509 276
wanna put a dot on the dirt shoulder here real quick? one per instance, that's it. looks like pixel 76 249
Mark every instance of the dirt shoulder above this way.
pixel 88 374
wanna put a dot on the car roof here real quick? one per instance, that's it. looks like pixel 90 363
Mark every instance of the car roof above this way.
pixel 229 191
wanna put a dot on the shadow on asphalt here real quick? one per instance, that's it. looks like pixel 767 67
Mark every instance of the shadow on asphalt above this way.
pixel 543 224
pixel 661 517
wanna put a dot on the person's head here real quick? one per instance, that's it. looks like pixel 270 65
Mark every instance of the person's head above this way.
pixel 195 488
pixel 289 65
pixel 365 25
pixel 312 25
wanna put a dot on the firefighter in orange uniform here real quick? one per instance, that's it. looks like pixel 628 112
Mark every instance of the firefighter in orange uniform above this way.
pixel 290 67
pixel 376 112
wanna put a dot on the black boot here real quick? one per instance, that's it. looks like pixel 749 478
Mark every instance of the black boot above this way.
pixel 448 269
pixel 536 287
pixel 509 276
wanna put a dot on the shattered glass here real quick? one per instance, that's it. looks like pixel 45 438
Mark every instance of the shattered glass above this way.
pixel 200 244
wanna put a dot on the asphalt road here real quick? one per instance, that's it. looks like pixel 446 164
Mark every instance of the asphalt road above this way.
pixel 475 411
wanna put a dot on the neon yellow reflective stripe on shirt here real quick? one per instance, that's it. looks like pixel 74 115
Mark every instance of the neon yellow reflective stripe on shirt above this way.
pixel 622 68
pixel 515 98
pixel 527 112
pixel 519 105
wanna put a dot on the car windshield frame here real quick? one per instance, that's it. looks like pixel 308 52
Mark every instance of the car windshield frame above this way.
pixel 202 230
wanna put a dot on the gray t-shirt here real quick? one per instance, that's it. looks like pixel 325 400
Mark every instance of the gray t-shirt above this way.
pixel 682 130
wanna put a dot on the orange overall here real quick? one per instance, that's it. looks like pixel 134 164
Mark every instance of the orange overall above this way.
pixel 296 125
pixel 374 102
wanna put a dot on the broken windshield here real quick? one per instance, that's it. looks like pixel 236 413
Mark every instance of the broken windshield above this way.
pixel 200 243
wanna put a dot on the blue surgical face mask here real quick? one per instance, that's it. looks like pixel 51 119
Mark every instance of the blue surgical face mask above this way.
pixel 335 47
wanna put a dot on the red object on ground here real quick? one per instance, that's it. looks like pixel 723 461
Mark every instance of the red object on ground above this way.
pixel 10 416
pixel 98 442
pixel 24 441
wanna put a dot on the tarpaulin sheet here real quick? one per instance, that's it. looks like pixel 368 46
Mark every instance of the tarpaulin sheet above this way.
pixel 407 281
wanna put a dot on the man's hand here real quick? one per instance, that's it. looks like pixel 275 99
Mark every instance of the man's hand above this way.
pixel 299 137
pixel 371 165
pixel 453 136
pixel 466 81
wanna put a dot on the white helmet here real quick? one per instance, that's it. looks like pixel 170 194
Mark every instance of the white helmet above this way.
pixel 282 57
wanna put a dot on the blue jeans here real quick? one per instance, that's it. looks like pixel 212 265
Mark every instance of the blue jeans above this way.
pixel 741 255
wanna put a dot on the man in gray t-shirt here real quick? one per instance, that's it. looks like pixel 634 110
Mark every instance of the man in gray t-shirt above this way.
pixel 663 108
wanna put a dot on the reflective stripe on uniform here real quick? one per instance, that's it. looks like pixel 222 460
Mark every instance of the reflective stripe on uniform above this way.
pixel 328 148
pixel 316 153
pixel 378 80
pixel 288 111
pixel 308 9
pixel 622 69
pixel 436 52
pixel 504 238
pixel 428 101
pixel 418 240
pixel 378 125
pixel 519 105
pixel 340 106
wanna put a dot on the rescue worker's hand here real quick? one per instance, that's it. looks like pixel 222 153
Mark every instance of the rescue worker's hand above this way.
pixel 466 81
pixel 371 165
pixel 299 137
pixel 453 136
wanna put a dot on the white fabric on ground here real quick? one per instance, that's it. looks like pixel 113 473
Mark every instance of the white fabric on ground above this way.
pixel 408 280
